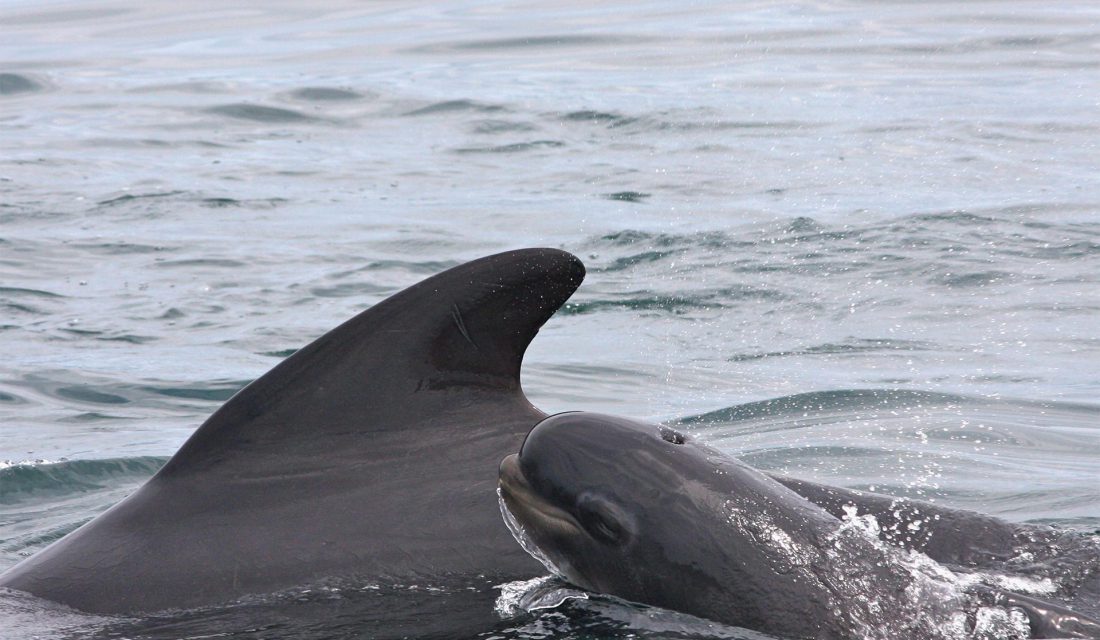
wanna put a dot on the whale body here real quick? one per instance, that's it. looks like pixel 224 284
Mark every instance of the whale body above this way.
pixel 370 452
pixel 647 514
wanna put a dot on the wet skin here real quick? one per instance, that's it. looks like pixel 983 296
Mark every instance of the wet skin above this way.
pixel 647 514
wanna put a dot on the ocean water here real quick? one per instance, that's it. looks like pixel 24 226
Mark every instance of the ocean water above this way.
pixel 858 242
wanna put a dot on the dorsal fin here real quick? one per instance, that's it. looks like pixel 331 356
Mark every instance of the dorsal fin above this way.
pixel 397 365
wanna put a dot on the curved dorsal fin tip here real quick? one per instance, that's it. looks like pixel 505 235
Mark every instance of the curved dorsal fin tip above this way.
pixel 463 330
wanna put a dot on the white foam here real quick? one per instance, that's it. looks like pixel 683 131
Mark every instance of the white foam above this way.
pixel 935 596
pixel 525 596
pixel 759 527
pixel 1021 584
pixel 995 623
pixel 7 464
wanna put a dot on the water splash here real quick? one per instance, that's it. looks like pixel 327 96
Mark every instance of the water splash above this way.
pixel 879 591
pixel 934 589
pixel 523 539
pixel 526 596
pixel 7 464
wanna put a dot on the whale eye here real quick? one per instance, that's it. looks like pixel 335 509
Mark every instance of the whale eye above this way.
pixel 602 520
pixel 672 436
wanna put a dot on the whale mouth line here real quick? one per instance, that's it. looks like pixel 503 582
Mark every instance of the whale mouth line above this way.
pixel 527 506
pixel 526 513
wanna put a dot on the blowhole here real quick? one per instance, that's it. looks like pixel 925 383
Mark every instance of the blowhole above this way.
pixel 672 436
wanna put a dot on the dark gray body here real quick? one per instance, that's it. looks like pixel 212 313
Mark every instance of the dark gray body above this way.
pixel 646 514
pixel 370 452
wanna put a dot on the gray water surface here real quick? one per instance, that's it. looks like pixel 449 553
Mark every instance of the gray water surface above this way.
pixel 786 204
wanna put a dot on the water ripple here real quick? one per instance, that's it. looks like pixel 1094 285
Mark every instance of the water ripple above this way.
pixel 820 402
pixel 455 106
pixel 261 113
pixel 851 346
pixel 13 84
pixel 326 94
pixel 131 197
pixel 21 481
pixel 33 293
pixel 516 147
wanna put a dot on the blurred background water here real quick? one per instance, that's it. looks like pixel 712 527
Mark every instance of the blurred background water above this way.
pixel 857 241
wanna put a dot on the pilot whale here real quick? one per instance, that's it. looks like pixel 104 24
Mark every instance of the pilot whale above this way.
pixel 370 452
pixel 647 514
pixel 373 451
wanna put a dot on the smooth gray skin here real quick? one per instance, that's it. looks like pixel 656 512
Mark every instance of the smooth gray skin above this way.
pixel 370 452
pixel 644 513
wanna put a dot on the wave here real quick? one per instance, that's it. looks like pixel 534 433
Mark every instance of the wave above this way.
pixel 34 480
pixel 261 113
pixel 455 106
pixel 97 392
pixel 851 345
pixel 14 83
pixel 516 147
pixel 843 400
pixel 327 94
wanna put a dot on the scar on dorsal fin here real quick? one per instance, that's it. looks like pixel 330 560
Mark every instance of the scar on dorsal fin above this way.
pixel 457 315
pixel 446 344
